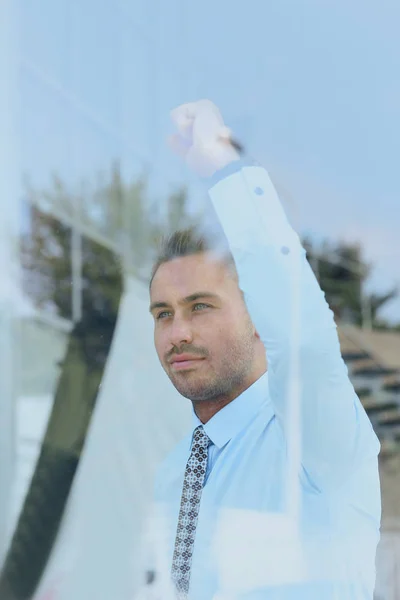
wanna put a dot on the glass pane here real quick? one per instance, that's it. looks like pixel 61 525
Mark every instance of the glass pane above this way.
pixel 91 401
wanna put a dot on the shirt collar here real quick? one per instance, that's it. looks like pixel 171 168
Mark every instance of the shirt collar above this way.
pixel 236 415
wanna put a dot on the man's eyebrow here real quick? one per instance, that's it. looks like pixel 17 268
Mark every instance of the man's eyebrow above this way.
pixel 187 300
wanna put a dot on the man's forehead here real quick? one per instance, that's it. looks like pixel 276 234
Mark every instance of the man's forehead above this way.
pixel 190 270
pixel 178 279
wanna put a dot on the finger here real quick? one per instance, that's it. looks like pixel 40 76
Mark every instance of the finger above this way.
pixel 183 117
pixel 207 105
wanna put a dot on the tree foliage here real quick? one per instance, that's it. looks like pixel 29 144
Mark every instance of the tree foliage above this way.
pixel 118 214
pixel 68 233
pixel 342 273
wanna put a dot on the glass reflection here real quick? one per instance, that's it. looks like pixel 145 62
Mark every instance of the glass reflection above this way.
pixel 89 87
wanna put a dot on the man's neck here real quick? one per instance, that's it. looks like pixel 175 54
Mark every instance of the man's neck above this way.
pixel 207 409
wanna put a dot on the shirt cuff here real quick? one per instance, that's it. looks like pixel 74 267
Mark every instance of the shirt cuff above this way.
pixel 230 169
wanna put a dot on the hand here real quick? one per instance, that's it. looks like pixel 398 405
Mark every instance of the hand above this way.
pixel 203 140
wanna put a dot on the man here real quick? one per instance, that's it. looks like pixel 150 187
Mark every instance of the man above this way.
pixel 274 494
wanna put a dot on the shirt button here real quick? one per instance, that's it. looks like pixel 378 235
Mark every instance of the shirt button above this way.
pixel 285 250
pixel 259 191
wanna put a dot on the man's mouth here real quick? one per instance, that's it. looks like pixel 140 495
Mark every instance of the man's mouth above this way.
pixel 183 362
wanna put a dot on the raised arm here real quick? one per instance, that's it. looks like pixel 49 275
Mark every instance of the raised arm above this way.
pixel 285 303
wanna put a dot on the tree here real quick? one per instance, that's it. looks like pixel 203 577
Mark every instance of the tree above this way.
pixel 120 213
pixel 342 273
pixel 113 214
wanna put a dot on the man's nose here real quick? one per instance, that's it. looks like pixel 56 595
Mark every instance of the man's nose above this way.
pixel 180 332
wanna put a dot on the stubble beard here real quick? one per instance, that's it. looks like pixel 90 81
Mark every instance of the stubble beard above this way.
pixel 231 376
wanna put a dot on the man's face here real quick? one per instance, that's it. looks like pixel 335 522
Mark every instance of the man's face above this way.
pixel 199 311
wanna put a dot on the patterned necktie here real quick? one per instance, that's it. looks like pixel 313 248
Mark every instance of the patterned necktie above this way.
pixel 189 511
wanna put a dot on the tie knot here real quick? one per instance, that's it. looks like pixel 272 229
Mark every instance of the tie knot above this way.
pixel 200 438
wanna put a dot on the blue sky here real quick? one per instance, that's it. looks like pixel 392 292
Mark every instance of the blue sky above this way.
pixel 310 87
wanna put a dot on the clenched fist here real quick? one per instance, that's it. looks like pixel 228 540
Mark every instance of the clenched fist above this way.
pixel 203 140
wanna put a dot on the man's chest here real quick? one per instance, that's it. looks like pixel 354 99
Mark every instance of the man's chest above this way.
pixel 259 523
pixel 250 500
pixel 252 472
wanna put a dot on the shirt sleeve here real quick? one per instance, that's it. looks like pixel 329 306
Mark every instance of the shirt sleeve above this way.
pixel 296 325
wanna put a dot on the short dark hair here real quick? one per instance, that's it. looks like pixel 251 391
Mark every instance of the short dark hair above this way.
pixel 188 242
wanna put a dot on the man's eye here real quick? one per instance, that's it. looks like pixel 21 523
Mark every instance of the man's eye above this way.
pixel 201 304
pixel 164 312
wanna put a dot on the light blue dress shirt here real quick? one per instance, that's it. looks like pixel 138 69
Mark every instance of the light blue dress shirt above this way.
pixel 290 509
